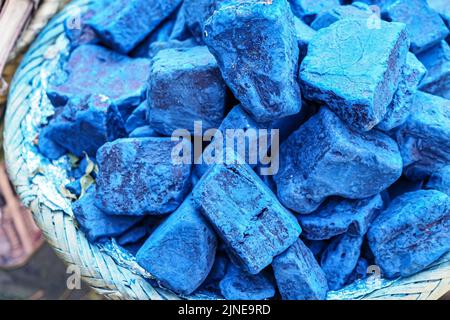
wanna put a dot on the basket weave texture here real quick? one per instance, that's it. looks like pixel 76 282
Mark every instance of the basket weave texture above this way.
pixel 118 277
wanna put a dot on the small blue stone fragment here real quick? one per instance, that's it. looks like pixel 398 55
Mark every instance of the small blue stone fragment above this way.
pixel 156 47
pixel 185 85
pixel 48 147
pixel 440 180
pixel 74 187
pixel 246 215
pixel 180 252
pixel 307 10
pixel 304 35
pixel 424 139
pixel 137 176
pixel 357 83
pixel 138 118
pixel 411 233
pixel 259 64
pixel 340 259
pixel 327 18
pixel 325 158
pixel 143 132
pixel 239 285
pixel 425 27
pixel 298 275
pixel 338 216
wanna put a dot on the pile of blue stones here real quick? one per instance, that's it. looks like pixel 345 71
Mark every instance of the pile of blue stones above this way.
pixel 362 107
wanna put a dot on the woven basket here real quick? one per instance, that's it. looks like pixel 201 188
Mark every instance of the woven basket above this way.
pixel 106 268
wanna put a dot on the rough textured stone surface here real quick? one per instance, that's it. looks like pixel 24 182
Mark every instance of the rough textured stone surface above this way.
pixel 355 70
pixel 424 139
pixel 400 107
pixel 143 132
pixel 138 118
pixel 437 62
pixel 197 91
pixel 307 10
pixel 246 215
pixel 442 7
pixel 123 24
pixel 329 17
pixel 94 70
pixel 155 47
pixel 181 251
pixel 340 259
pixel 137 176
pixel 82 127
pixel 196 13
pixel 339 216
pixel 440 180
pixel 325 158
pixel 424 25
pixel 298 275
pixel 96 224
pixel 411 233
pixel 259 67
pixel 239 285
pixel 304 35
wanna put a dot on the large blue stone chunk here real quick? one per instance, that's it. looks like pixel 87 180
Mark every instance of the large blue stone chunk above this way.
pixel 353 11
pixel 95 223
pixel 83 127
pixel 356 82
pixel 424 139
pixel 298 275
pixel 94 70
pixel 123 24
pixel 181 251
pixel 411 233
pixel 307 10
pixel 437 62
pixel 425 27
pixel 440 180
pixel 340 259
pixel 246 215
pixel 185 85
pixel 259 64
pixel 400 107
pixel 325 158
pixel 338 216
pixel 138 176
pixel 239 285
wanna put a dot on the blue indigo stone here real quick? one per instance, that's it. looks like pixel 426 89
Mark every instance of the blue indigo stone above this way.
pixel 412 74
pixel 196 13
pixel 298 275
pixel 411 233
pixel 180 30
pixel 259 67
pixel 124 24
pixel 84 127
pixel 443 8
pixel 134 235
pixel 340 259
pixel 185 85
pixel 358 84
pixel 95 223
pixel 180 252
pixel 143 132
pixel 307 10
pixel 338 216
pixel 94 70
pixel 138 176
pixel 437 62
pixel 74 187
pixel 246 215
pixel 424 139
pixel 304 35
pixel 325 158
pixel 440 180
pixel 138 118
pixel 239 285
pixel 327 18
pixel 155 47
pixel 48 147
pixel 424 25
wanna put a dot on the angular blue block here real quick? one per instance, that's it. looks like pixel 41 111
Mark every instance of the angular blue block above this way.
pixel 134 235
pixel 340 259
pixel 442 7
pixel 137 176
pixel 411 233
pixel 185 85
pixel 424 139
pixel 399 109
pixel 327 18
pixel 239 285
pixel 181 251
pixel 338 216
pixel 94 70
pixel 74 187
pixel 298 275
pixel 307 10
pixel 143 132
pixel 246 215
pixel 48 147
pixel 304 35
pixel 138 118
pixel 437 62
pixel 325 158
pixel 358 84
pixel 83 127
pixel 440 180
pixel 123 24
pixel 95 223
pixel 424 25
pixel 258 63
